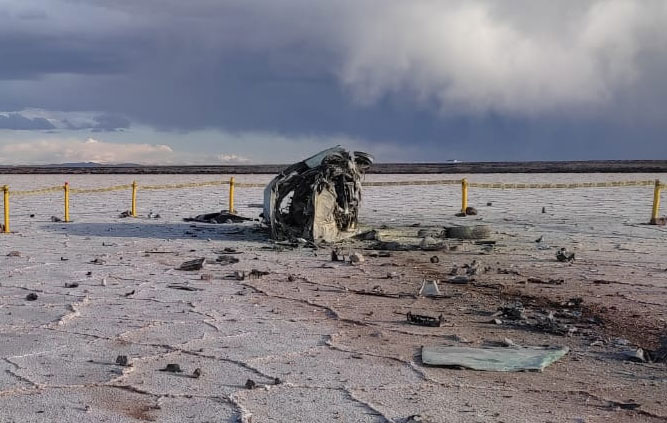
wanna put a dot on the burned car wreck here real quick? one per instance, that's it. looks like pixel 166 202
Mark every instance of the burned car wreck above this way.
pixel 318 198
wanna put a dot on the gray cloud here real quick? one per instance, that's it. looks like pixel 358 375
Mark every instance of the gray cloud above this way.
pixel 424 71
pixel 16 121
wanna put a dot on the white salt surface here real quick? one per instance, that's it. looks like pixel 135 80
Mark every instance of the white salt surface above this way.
pixel 58 352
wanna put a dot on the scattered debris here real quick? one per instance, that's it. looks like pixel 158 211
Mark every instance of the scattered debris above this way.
pixel 421 320
pixel 225 260
pixel 172 368
pixel 31 297
pixel 636 355
pixel 183 287
pixel 14 254
pixel 250 384
pixel 624 405
pixel 317 198
pixel 337 255
pixel 356 258
pixel 122 360
pixel 429 289
pixel 514 311
pixel 471 211
pixel 217 218
pixel 372 235
pixel 190 265
pixel 498 359
pixel 71 284
pixel 540 239
pixel 206 276
pixel 468 232
pixel 459 280
pixel 125 214
pixel 546 282
pixel 152 215
pixel 563 255
pixel 242 275
pixel 660 221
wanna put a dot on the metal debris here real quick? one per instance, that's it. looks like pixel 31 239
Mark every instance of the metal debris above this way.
pixel 421 320
pixel 318 198
pixel 497 359
pixel 429 289
pixel 217 218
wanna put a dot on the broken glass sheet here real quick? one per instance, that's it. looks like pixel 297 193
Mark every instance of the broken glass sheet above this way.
pixel 493 359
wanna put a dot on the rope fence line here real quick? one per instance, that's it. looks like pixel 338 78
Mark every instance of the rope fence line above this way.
pixel 658 186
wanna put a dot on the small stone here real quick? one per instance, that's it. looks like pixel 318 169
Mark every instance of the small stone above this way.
pixel 31 297
pixel 14 254
pixel 250 384
pixel 277 381
pixel 71 284
pixel 544 209
pixel 291 278
pixel 197 373
pixel 489 204
pixel 56 219
pixel 104 282
pixel 172 368
pixel 435 259
pixel 356 258
pixel 496 322
pixel 471 211
pixel 508 343
pixel 637 355
pixel 206 276
pixel 122 360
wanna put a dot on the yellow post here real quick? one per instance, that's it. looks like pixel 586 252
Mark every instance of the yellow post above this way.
pixel 231 195
pixel 464 195
pixel 656 202
pixel 5 190
pixel 66 201
pixel 134 199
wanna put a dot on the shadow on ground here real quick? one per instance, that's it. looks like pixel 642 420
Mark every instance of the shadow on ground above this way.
pixel 131 229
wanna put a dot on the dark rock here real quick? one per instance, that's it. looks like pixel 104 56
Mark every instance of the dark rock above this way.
pixel 172 368
pixel 250 384
pixel 471 211
pixel 31 297
pixel 191 265
pixel 435 259
pixel 122 360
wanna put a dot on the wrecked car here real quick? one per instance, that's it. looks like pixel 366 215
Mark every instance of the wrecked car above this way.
pixel 318 198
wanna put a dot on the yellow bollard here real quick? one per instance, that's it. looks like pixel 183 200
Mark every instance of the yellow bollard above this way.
pixel 464 195
pixel 66 187
pixel 134 199
pixel 231 195
pixel 5 190
pixel 656 202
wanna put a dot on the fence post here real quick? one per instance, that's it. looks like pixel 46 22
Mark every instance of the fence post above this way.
pixel 656 202
pixel 133 212
pixel 231 195
pixel 464 195
pixel 66 187
pixel 5 190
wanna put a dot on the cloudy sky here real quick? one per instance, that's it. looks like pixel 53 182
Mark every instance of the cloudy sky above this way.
pixel 263 81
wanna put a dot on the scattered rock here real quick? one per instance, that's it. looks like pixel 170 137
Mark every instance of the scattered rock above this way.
pixel 356 258
pixel 191 265
pixel 125 214
pixel 122 360
pixel 337 255
pixel 563 255
pixel 98 261
pixel 371 235
pixel 430 244
pixel 128 294
pixel 183 287
pixel 14 254
pixel 71 284
pixel 435 259
pixel 291 278
pixel 172 368
pixel 197 373
pixel 241 275
pixel 496 321
pixel 489 204
pixel 544 209
pixel 31 297
pixel 471 211
pixel 514 311
pixel 540 239
pixel 250 384
pixel 546 282
pixel 660 221
pixel 56 219
pixel 206 276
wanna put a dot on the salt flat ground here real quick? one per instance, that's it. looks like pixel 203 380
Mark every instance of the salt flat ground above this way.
pixel 316 347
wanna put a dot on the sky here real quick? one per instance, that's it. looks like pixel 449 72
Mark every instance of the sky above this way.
pixel 263 81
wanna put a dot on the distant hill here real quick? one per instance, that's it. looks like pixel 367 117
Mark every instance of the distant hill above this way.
pixel 89 164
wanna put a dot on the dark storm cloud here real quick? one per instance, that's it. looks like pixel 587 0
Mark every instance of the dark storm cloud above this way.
pixel 468 76
pixel 16 121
